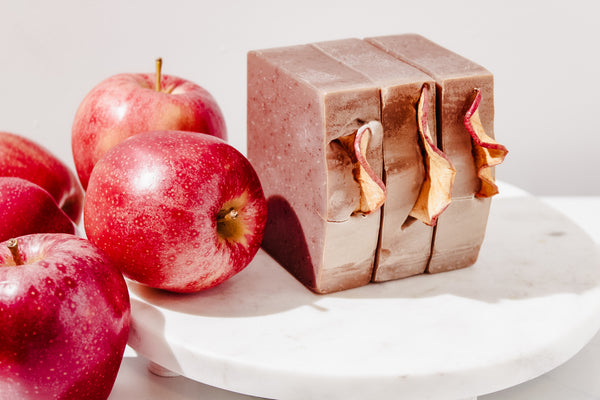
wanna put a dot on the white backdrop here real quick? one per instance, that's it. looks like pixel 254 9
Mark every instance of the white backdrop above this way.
pixel 544 56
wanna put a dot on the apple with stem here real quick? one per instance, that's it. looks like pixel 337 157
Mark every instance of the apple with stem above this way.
pixel 126 104
pixel 27 208
pixel 23 158
pixel 65 319
pixel 176 210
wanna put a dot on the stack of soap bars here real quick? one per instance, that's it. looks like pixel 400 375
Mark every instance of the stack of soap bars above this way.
pixel 376 157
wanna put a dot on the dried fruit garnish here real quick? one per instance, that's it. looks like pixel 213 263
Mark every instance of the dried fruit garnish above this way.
pixel 372 188
pixel 436 192
pixel 486 151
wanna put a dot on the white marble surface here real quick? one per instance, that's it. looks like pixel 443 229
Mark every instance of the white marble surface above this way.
pixel 530 303
pixel 576 379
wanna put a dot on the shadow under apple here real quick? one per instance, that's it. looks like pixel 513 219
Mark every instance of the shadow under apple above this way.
pixel 530 251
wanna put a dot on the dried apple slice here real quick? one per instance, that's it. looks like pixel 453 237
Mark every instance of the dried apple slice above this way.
pixel 486 151
pixel 436 192
pixel 372 188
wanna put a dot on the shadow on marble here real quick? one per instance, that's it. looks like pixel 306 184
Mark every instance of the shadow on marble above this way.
pixel 581 372
pixel 263 288
pixel 135 381
pixel 530 251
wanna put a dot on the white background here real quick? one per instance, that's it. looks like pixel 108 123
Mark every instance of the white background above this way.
pixel 544 55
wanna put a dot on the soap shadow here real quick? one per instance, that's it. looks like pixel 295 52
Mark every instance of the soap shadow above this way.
pixel 285 241
pixel 530 251
pixel 263 287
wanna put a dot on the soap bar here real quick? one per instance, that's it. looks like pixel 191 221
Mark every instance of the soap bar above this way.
pixel 460 230
pixel 404 244
pixel 303 106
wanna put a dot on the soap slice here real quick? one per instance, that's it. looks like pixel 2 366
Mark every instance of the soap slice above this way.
pixel 304 112
pixel 436 192
pixel 461 228
pixel 487 152
pixel 405 243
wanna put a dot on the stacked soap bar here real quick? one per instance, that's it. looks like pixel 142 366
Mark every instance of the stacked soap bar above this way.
pixel 343 136
pixel 460 229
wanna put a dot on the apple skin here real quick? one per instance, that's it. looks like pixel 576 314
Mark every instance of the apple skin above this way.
pixel 27 208
pixel 126 104
pixel 65 319
pixel 23 158
pixel 157 204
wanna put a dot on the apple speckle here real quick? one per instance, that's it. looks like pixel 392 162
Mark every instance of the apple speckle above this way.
pixel 103 116
pixel 46 324
pixel 23 158
pixel 199 212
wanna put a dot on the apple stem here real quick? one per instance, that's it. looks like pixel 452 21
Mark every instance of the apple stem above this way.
pixel 13 246
pixel 158 75
pixel 230 214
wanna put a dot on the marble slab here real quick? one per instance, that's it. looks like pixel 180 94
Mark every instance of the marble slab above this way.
pixel 530 303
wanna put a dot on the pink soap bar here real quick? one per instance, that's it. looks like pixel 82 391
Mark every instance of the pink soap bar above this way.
pixel 404 244
pixel 300 103
pixel 461 228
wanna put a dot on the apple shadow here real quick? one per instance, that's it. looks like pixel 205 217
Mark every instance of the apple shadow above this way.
pixel 263 287
pixel 284 240
pixel 530 251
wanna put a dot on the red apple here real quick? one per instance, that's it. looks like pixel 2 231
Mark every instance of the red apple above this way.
pixel 65 319
pixel 126 104
pixel 27 208
pixel 176 210
pixel 23 158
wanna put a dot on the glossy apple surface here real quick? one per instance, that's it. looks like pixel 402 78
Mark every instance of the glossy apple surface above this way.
pixel 27 208
pixel 65 319
pixel 23 158
pixel 126 104
pixel 176 210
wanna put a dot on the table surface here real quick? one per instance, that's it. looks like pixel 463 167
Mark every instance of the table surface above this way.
pixel 575 379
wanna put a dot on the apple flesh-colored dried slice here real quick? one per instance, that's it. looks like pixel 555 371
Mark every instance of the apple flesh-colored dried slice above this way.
pixel 372 188
pixel 486 151
pixel 436 192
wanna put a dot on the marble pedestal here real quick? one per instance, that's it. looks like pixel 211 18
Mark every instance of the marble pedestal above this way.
pixel 530 302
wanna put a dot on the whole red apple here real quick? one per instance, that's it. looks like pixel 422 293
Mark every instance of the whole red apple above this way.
pixel 126 104
pixel 27 208
pixel 23 158
pixel 65 319
pixel 176 210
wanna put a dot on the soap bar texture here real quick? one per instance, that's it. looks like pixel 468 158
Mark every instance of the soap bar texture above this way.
pixel 307 107
pixel 460 230
pixel 404 244
pixel 301 104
